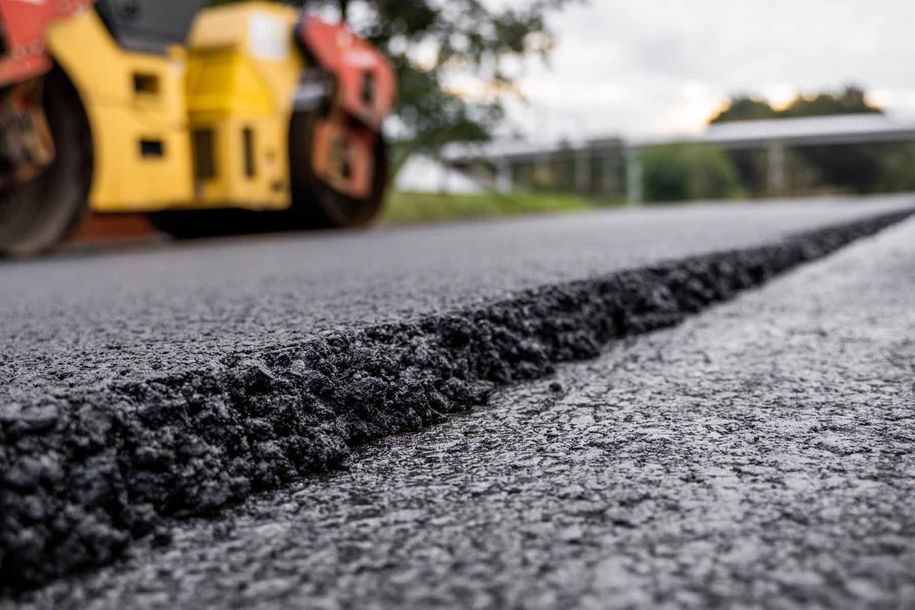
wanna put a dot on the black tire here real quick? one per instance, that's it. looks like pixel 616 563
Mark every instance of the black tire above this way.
pixel 38 215
pixel 315 205
pixel 197 224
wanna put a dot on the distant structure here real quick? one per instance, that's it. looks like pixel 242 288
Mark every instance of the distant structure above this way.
pixel 594 168
pixel 611 167
pixel 423 174
pixel 775 137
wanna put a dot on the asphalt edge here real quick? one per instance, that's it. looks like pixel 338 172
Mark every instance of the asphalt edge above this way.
pixel 82 477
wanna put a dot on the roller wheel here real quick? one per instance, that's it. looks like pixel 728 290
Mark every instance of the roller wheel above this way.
pixel 41 213
pixel 316 205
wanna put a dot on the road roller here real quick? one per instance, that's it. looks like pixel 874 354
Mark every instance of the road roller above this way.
pixel 245 117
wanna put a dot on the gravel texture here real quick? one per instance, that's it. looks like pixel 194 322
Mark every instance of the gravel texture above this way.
pixel 761 454
pixel 88 468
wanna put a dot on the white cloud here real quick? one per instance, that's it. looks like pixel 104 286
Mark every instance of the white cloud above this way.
pixel 639 67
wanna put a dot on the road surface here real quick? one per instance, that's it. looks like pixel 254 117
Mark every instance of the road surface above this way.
pixel 115 433
pixel 168 307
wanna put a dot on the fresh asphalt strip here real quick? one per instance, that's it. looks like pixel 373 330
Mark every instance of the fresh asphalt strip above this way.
pixel 80 480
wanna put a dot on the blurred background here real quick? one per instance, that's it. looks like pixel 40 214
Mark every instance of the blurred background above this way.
pixel 566 104
pixel 521 106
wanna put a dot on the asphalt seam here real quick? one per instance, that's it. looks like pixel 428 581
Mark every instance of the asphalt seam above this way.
pixel 83 476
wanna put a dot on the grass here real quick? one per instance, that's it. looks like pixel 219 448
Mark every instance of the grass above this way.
pixel 415 208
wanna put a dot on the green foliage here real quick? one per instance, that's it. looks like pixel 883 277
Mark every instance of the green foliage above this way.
pixel 465 35
pixel 684 172
pixel 858 168
pixel 897 168
pixel 411 208
pixel 852 167
pixel 745 108
pixel 852 100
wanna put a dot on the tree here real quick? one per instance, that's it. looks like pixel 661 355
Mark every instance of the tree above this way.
pixel 428 39
pixel 745 108
pixel 683 172
pixel 853 167
pixel 851 100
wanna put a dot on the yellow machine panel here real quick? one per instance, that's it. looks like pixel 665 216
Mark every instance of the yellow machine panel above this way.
pixel 205 127
pixel 137 112
pixel 242 76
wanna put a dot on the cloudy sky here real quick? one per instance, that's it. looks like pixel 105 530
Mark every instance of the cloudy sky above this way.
pixel 643 67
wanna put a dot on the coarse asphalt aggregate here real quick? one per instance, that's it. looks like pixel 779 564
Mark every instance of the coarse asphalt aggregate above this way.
pixel 145 429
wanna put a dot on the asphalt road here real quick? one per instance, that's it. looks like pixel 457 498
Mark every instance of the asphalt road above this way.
pixel 131 314
pixel 144 386
pixel 761 454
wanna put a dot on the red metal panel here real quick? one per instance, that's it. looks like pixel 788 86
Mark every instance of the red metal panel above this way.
pixel 357 65
pixel 23 24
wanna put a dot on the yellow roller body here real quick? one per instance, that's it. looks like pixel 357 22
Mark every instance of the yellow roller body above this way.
pixel 243 71
pixel 137 115
pixel 202 127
